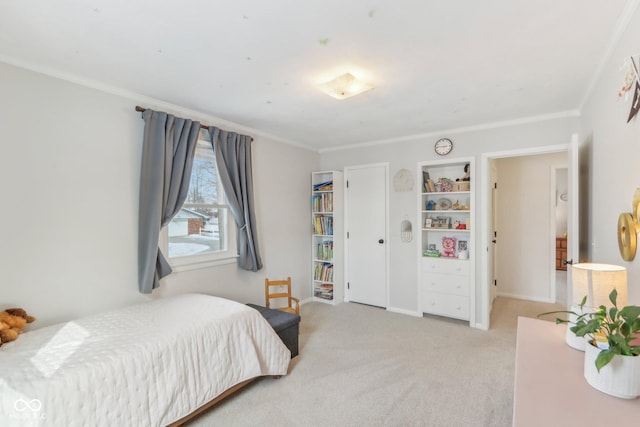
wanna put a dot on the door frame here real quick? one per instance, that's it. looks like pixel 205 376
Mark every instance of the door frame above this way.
pixel 386 227
pixel 552 214
pixel 485 298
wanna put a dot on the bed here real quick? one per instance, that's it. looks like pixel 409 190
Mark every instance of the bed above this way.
pixel 151 364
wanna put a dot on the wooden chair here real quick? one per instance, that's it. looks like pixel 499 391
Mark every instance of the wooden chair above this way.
pixel 273 290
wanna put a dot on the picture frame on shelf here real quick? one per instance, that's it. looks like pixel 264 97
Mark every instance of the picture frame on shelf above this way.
pixel 441 222
pixel 428 223
pixel 462 245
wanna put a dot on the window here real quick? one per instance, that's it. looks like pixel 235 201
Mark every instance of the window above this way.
pixel 202 233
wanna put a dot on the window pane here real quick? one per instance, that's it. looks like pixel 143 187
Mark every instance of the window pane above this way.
pixel 203 187
pixel 197 231
pixel 201 226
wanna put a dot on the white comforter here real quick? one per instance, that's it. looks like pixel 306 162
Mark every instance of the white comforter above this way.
pixel 145 365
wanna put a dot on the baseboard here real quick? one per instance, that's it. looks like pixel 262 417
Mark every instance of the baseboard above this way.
pixel 403 311
pixel 526 298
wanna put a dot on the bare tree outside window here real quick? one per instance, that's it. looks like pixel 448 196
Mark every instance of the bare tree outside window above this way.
pixel 200 226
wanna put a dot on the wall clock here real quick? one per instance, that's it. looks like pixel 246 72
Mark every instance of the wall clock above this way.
pixel 443 146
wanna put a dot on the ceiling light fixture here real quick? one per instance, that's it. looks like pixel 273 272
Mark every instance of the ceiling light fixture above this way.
pixel 345 86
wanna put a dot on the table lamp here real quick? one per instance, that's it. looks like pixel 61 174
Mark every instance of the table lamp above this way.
pixel 595 281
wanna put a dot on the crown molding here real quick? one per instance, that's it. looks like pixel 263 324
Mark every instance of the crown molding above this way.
pixel 459 130
pixel 147 101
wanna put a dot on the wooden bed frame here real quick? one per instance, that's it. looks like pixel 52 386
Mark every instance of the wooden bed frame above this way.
pixel 209 404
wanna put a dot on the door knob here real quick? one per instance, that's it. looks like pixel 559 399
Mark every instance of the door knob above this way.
pixel 381 241
pixel 494 241
pixel 567 261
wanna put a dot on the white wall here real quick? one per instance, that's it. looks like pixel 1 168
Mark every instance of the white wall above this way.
pixel 561 206
pixel 69 171
pixel 526 252
pixel 406 154
pixel 614 149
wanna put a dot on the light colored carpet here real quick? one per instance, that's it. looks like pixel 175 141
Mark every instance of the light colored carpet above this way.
pixel 360 365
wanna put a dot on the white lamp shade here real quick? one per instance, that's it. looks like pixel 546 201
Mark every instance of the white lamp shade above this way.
pixel 596 281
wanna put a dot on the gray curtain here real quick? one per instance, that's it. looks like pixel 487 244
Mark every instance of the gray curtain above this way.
pixel 167 157
pixel 233 158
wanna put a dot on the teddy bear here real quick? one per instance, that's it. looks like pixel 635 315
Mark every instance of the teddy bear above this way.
pixel 449 246
pixel 12 322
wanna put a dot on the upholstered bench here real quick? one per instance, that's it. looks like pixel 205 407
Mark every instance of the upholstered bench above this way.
pixel 285 325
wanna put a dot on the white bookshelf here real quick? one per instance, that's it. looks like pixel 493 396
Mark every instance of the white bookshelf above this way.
pixel 327 223
pixel 446 282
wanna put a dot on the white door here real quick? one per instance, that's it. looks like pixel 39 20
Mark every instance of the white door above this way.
pixel 366 209
pixel 573 212
pixel 493 236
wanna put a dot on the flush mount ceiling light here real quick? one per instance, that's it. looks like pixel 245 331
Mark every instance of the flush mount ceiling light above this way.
pixel 345 86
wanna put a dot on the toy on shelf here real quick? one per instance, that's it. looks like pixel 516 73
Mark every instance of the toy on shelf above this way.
pixel 449 247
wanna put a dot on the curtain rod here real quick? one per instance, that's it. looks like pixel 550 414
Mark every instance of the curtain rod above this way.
pixel 205 127
pixel 142 110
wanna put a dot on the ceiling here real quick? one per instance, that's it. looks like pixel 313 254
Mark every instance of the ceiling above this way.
pixel 436 65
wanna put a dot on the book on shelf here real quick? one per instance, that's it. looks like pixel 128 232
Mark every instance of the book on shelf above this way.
pixel 324 291
pixel 323 186
pixel 427 184
pixel 323 272
pixel 324 250
pixel 322 202
pixel 323 225
pixel 431 186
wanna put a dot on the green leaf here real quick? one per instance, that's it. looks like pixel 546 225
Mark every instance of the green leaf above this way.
pixel 613 296
pixel 625 329
pixel 584 301
pixel 613 312
pixel 603 359
pixel 630 313
pixel 619 344
pixel 590 327
pixel 557 312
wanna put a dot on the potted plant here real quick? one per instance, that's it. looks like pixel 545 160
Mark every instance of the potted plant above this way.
pixel 612 362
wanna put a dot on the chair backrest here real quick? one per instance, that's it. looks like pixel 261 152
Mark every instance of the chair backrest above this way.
pixel 273 290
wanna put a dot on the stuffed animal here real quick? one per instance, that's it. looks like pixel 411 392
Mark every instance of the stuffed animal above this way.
pixel 467 173
pixel 12 322
pixel 449 246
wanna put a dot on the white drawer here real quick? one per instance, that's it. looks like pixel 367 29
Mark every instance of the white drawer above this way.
pixel 445 283
pixel 445 305
pixel 446 266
